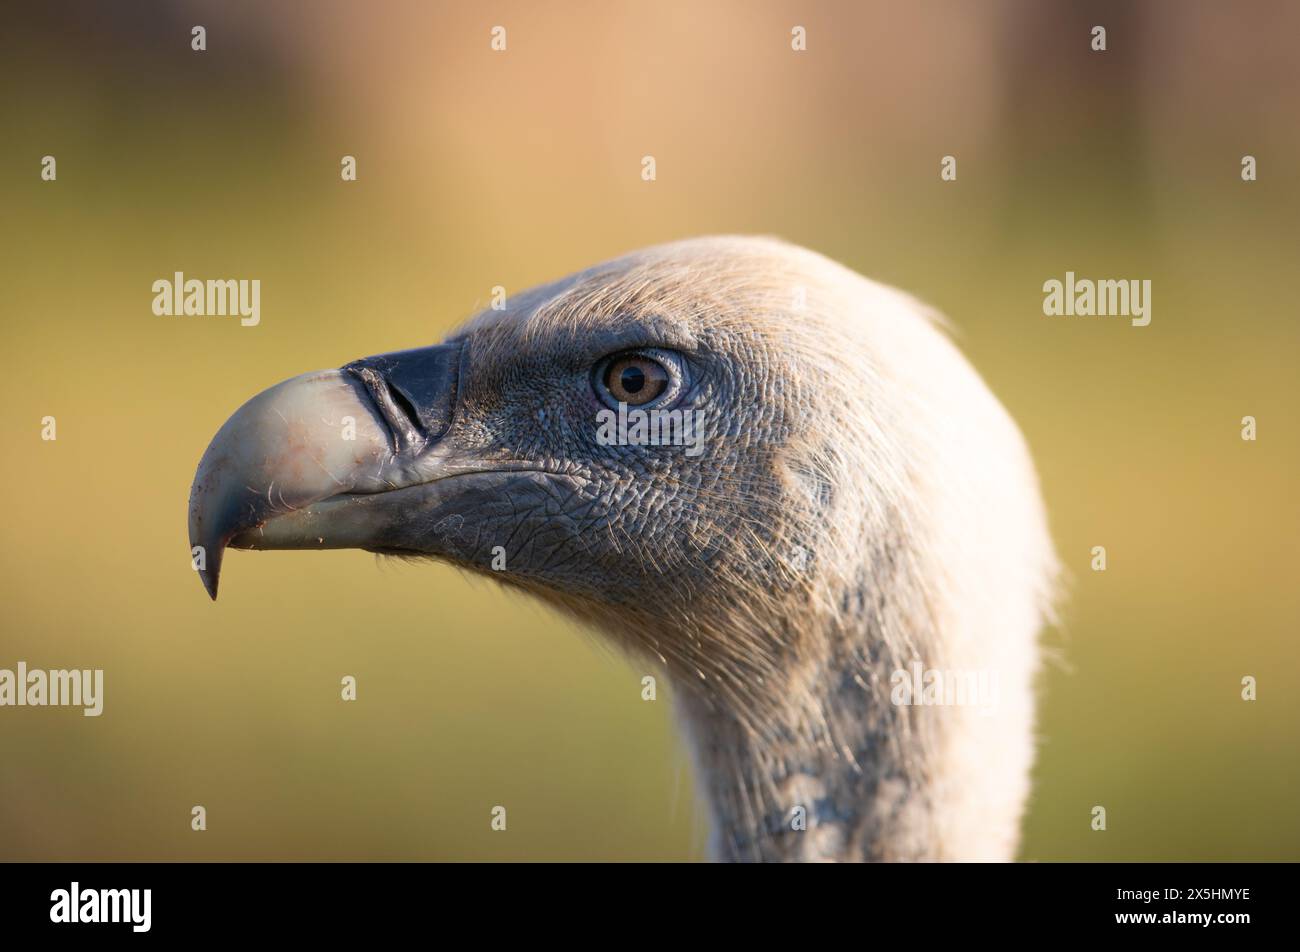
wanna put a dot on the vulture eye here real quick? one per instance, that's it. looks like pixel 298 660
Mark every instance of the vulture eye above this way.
pixel 635 379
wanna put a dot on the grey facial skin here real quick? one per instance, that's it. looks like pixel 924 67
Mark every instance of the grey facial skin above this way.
pixel 861 502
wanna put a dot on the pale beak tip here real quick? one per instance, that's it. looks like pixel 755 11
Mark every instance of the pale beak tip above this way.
pixel 210 573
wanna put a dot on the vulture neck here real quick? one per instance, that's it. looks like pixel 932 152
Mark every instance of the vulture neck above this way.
pixel 821 768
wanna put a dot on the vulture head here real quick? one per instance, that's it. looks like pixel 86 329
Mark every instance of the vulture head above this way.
pixel 839 525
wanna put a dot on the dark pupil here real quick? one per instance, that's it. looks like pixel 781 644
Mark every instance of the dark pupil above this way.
pixel 632 379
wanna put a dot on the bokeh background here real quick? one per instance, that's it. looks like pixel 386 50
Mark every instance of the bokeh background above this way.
pixel 479 168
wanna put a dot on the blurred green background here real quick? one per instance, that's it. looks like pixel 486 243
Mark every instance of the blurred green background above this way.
pixel 479 168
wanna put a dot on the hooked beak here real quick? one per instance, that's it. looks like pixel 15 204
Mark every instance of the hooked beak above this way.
pixel 316 461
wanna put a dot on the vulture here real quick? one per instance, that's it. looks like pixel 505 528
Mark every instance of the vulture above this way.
pixel 854 525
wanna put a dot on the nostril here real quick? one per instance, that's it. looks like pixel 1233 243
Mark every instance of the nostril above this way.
pixel 414 390
pixel 395 407
pixel 403 403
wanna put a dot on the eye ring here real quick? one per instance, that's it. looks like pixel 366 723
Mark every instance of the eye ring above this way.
pixel 638 378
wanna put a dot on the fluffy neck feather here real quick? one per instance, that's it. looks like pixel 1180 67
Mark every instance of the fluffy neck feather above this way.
pixel 821 764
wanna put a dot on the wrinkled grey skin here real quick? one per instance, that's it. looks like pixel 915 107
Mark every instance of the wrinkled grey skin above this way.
pixel 861 501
